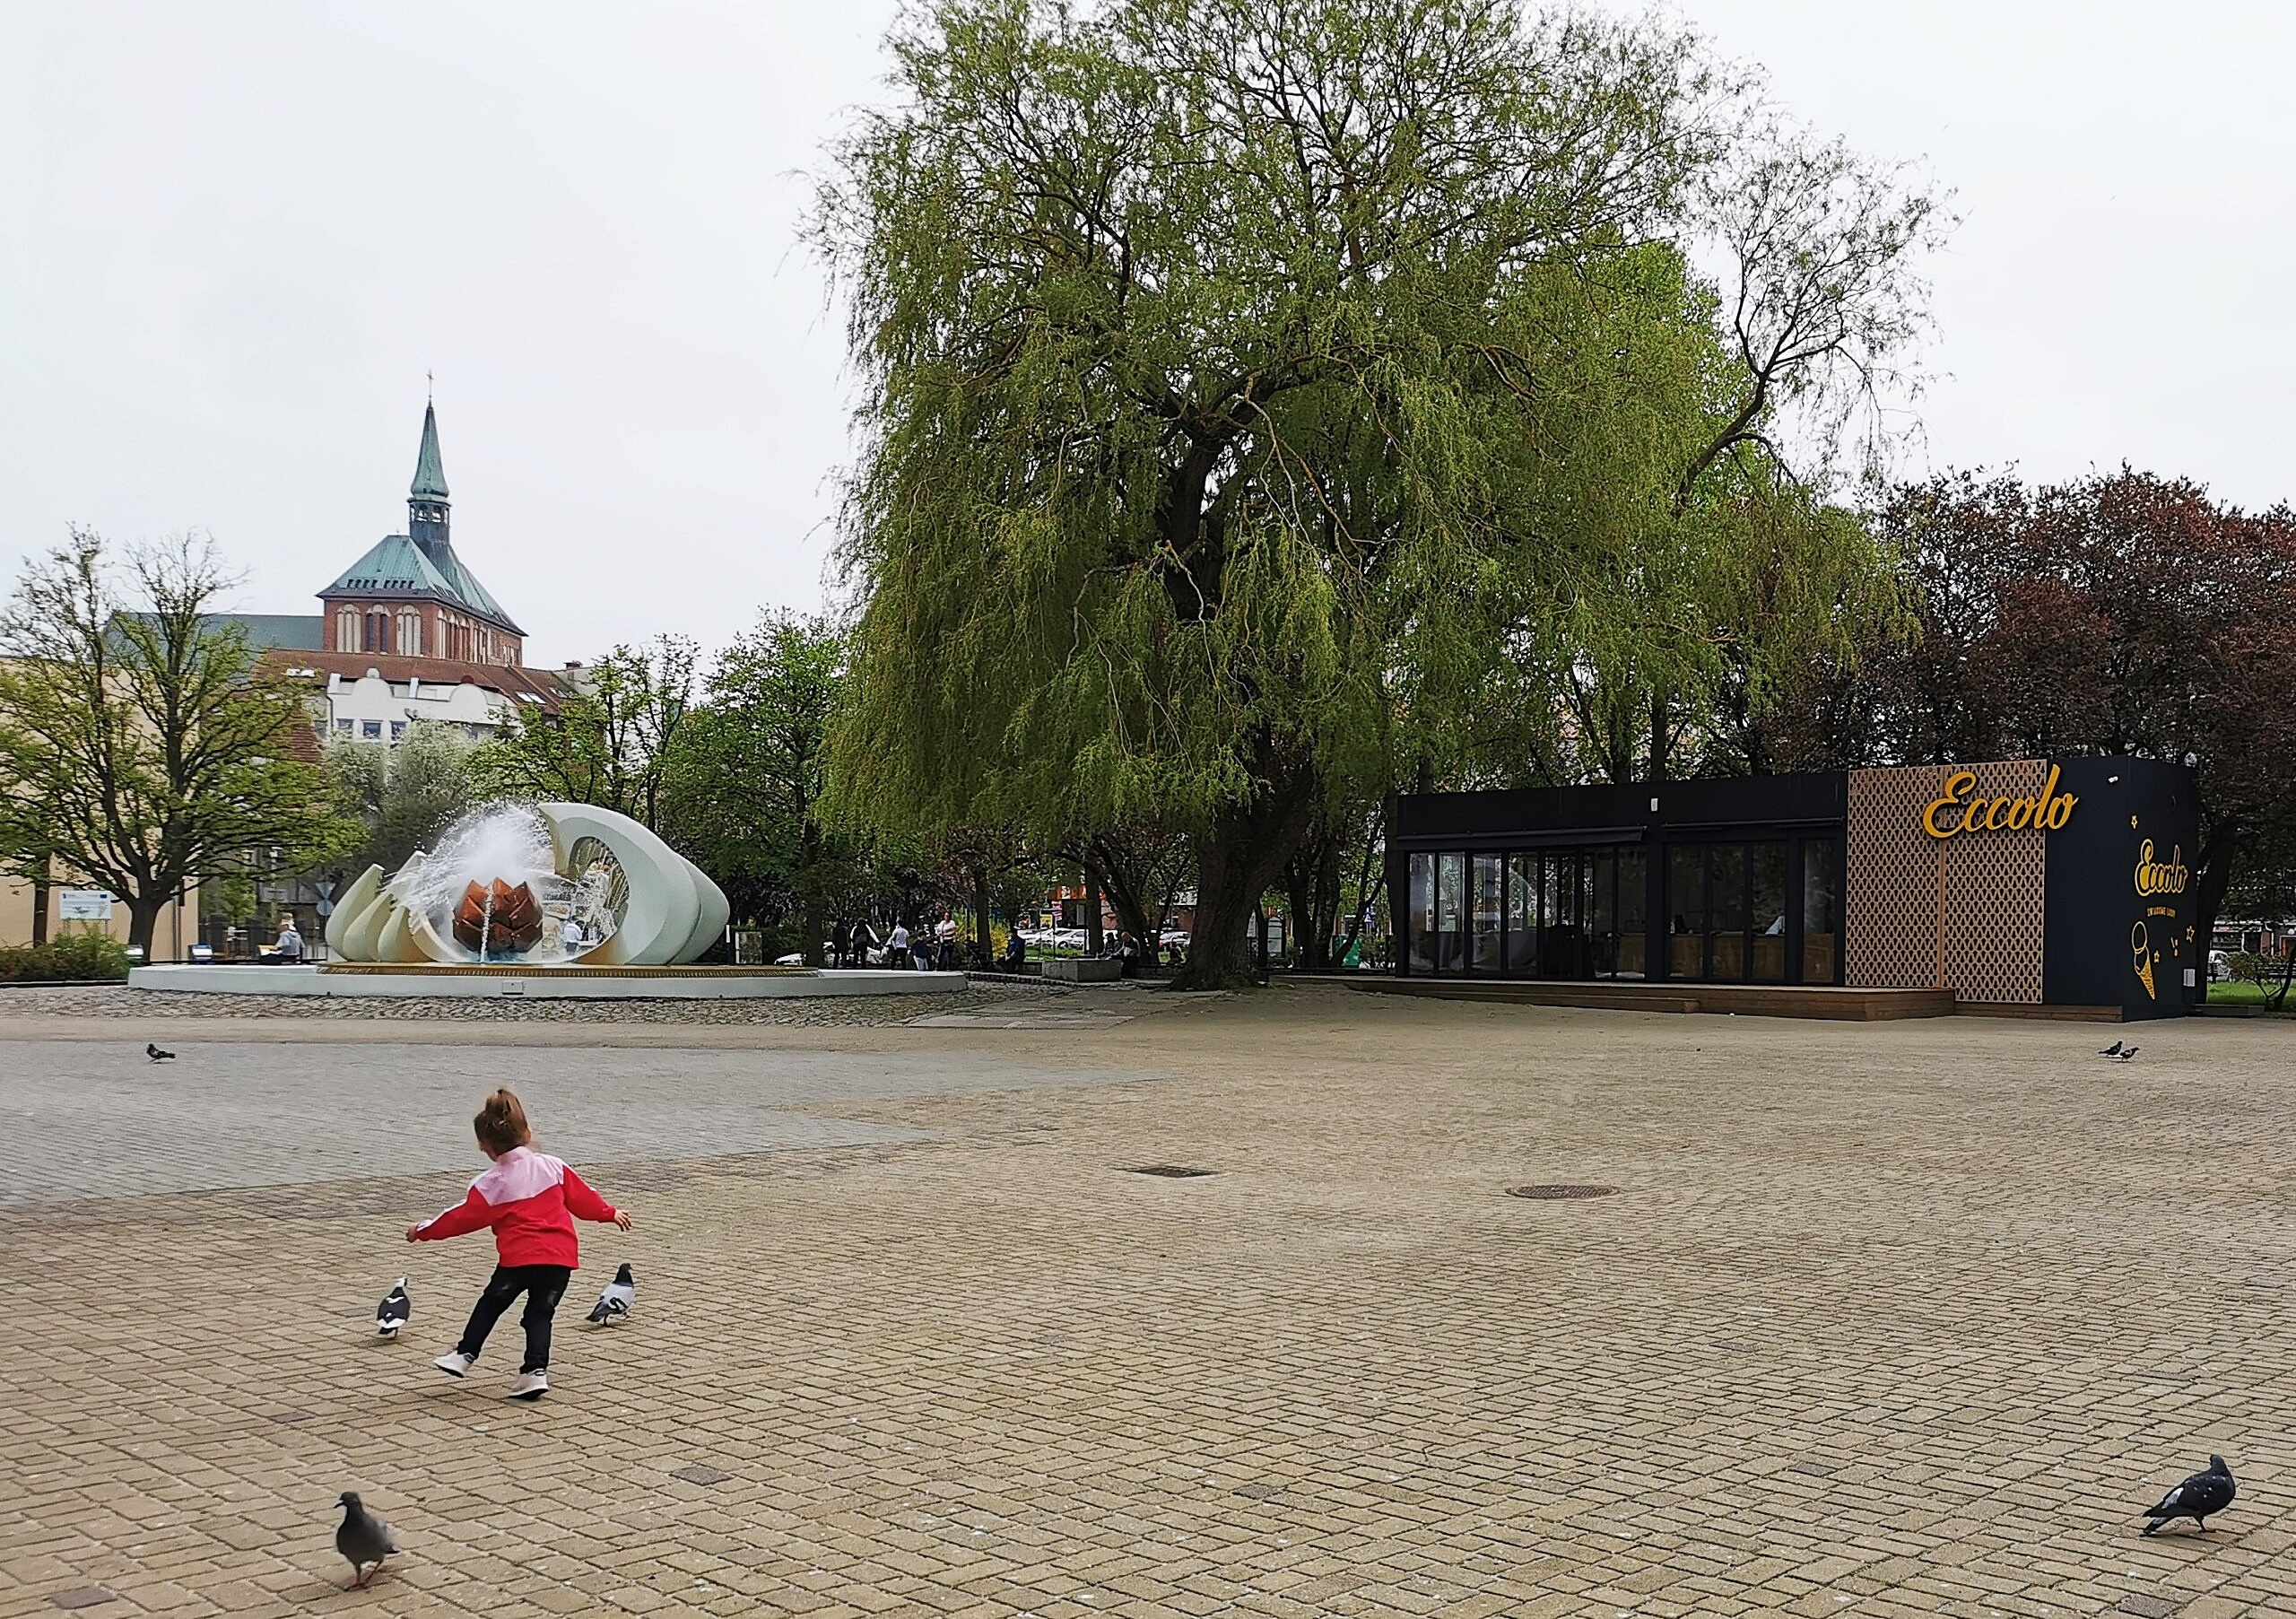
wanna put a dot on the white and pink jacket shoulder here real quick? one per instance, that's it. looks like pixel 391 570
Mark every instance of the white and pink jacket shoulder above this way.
pixel 531 1200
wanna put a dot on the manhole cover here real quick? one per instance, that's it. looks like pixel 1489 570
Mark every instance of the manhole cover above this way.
pixel 87 1596
pixel 700 1473
pixel 1169 1171
pixel 1559 1193
pixel 2148 1606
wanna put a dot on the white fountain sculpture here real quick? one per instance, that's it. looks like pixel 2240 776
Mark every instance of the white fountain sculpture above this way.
pixel 507 878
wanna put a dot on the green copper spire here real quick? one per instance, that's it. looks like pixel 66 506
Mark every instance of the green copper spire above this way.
pixel 430 477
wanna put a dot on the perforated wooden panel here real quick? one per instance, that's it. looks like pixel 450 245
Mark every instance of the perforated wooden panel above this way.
pixel 1994 891
pixel 1965 913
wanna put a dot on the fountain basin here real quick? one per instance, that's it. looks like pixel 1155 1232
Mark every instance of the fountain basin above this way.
pixel 513 982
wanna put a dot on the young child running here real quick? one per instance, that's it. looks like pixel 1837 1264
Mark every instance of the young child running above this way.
pixel 532 1201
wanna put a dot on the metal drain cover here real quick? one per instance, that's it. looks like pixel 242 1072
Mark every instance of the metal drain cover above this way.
pixel 1559 1192
pixel 1169 1171
pixel 699 1473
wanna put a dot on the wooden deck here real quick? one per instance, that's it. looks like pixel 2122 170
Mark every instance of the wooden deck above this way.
pixel 1746 1000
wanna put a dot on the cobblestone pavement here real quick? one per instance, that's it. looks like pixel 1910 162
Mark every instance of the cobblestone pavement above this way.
pixel 143 1004
pixel 1881 1320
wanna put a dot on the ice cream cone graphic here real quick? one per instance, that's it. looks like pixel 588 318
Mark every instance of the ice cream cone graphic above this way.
pixel 2141 944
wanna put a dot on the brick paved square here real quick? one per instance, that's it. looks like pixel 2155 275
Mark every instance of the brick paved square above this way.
pixel 1890 1319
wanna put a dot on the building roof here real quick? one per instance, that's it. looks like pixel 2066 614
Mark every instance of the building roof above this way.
pixel 543 687
pixel 303 631
pixel 396 569
pixel 430 476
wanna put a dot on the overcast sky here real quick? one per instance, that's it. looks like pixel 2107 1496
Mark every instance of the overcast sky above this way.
pixel 234 237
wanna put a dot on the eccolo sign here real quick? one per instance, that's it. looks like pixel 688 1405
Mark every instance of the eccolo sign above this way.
pixel 1958 811
pixel 2160 876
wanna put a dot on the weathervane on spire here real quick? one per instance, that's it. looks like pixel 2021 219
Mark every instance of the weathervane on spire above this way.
pixel 430 388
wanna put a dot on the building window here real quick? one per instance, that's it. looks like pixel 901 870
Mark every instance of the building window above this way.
pixel 343 728
pixel 372 729
pixel 410 634
pixel 378 637
pixel 346 630
pixel 399 730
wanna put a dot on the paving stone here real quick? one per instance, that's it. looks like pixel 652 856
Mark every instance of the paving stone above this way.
pixel 1882 1322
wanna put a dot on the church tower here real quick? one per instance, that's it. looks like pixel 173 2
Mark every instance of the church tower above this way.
pixel 426 497
pixel 410 596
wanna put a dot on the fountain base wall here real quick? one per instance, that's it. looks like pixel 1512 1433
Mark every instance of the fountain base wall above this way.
pixel 509 981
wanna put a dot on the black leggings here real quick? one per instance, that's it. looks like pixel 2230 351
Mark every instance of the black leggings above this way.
pixel 543 1286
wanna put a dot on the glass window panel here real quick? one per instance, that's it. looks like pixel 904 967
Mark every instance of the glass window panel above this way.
pixel 1765 889
pixel 1522 913
pixel 1450 912
pixel 1423 913
pixel 1820 909
pixel 1633 913
pixel 1602 913
pixel 1726 921
pixel 1686 902
pixel 1489 897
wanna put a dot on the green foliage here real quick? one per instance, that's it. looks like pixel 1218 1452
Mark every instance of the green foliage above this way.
pixel 144 747
pixel 612 742
pixel 403 793
pixel 1265 398
pixel 745 796
pixel 73 955
pixel 228 896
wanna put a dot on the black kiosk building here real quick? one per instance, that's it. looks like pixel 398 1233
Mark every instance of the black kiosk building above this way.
pixel 2016 885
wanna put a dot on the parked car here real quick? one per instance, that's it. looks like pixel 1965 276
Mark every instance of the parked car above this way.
pixel 1174 935
pixel 2220 966
pixel 1069 938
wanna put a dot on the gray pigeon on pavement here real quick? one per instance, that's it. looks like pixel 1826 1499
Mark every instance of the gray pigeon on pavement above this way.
pixel 2112 1050
pixel 2196 1498
pixel 363 1539
pixel 156 1054
pixel 613 1304
pixel 394 1312
pixel 2128 1054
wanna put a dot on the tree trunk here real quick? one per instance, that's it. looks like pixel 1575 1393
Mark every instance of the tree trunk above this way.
pixel 143 921
pixel 1237 858
pixel 981 954
pixel 2215 874
pixel 1094 938
pixel 1658 748
pixel 1124 896
pixel 39 910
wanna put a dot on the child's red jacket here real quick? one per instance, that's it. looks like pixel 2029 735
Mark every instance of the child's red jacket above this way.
pixel 532 1201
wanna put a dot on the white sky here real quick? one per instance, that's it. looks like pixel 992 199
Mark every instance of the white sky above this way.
pixel 234 236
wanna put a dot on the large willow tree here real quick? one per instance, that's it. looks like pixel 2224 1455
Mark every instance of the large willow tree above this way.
pixel 1239 375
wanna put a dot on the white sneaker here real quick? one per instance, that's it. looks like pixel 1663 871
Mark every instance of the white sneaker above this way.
pixel 454 1362
pixel 530 1386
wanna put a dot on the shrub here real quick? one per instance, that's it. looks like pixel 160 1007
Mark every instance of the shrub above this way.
pixel 67 956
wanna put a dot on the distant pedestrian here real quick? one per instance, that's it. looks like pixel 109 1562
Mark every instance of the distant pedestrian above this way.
pixel 569 936
pixel 289 945
pixel 920 950
pixel 1016 951
pixel 531 1200
pixel 897 946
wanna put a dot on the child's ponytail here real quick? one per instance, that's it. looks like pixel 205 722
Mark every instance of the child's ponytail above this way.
pixel 501 1123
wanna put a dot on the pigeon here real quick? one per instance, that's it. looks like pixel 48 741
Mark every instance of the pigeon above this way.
pixel 2112 1050
pixel 2196 1498
pixel 158 1056
pixel 2129 1055
pixel 363 1539
pixel 614 1303
pixel 392 1313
